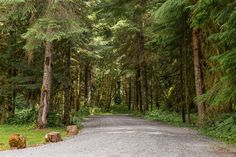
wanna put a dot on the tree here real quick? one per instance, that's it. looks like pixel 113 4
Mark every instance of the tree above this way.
pixel 60 21
pixel 197 70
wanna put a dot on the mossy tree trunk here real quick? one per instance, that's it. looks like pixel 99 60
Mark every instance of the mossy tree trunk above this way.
pixel 45 97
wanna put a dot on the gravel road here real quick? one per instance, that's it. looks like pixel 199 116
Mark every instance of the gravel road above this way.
pixel 125 136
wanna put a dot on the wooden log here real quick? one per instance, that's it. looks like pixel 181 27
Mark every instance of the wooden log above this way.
pixel 53 137
pixel 72 130
pixel 17 141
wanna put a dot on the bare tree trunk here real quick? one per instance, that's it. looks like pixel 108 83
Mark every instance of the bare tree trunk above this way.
pixel 130 93
pixel 145 88
pixel 67 88
pixel 88 83
pixel 187 85
pixel 134 107
pixel 181 86
pixel 138 89
pixel 78 86
pixel 197 71
pixel 157 95
pixel 118 92
pixel 45 97
pixel 151 96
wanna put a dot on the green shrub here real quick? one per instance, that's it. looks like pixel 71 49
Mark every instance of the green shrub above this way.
pixel 165 116
pixel 76 121
pixel 25 116
pixel 223 128
pixel 83 112
pixel 54 119
pixel 119 109
pixel 96 110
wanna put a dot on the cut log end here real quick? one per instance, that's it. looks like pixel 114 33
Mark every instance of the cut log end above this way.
pixel 17 141
pixel 53 137
pixel 72 130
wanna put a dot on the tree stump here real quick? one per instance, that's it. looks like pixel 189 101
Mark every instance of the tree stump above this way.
pixel 17 141
pixel 72 130
pixel 53 137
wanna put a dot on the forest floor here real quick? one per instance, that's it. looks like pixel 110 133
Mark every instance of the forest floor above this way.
pixel 126 136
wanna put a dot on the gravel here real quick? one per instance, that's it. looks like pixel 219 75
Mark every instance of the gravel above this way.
pixel 125 136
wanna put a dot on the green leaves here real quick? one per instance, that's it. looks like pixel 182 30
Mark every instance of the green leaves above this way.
pixel 171 11
pixel 201 12
pixel 62 19
pixel 39 31
pixel 125 24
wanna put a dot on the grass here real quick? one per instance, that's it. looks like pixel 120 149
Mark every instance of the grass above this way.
pixel 34 136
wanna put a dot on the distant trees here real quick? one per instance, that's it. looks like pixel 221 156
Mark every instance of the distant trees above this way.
pixel 167 49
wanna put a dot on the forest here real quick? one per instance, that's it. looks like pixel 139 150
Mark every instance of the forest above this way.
pixel 167 60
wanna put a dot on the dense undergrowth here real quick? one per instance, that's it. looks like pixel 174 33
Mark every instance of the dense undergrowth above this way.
pixel 223 127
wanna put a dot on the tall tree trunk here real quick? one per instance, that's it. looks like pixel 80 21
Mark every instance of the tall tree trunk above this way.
pixel 12 96
pixel 45 97
pixel 136 93
pixel 67 88
pixel 118 92
pixel 181 86
pixel 130 93
pixel 138 89
pixel 100 90
pixel 151 96
pixel 88 83
pixel 78 86
pixel 197 71
pixel 157 95
pixel 187 85
pixel 145 87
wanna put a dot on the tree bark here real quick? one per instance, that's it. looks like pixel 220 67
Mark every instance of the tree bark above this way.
pixel 157 95
pixel 130 93
pixel 197 71
pixel 138 89
pixel 181 86
pixel 78 86
pixel 67 88
pixel 151 97
pixel 45 97
pixel 88 83
pixel 145 88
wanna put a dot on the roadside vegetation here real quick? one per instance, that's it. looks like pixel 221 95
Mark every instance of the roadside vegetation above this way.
pixel 222 127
